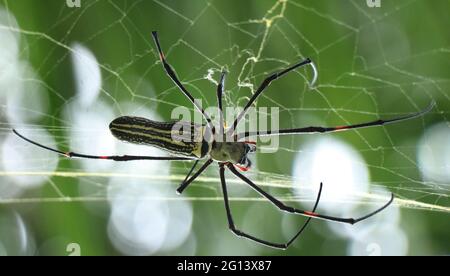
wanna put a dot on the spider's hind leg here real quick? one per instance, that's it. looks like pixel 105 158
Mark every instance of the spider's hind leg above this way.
pixel 293 210
pixel 240 233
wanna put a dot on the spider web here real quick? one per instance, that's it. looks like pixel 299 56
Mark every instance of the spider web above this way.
pixel 367 69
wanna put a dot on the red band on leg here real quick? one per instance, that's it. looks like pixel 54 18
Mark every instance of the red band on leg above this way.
pixel 250 142
pixel 311 214
pixel 244 169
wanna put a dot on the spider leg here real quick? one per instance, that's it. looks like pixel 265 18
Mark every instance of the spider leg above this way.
pixel 191 170
pixel 240 233
pixel 171 73
pixel 308 220
pixel 186 182
pixel 292 210
pixel 262 87
pixel 106 157
pixel 317 129
pixel 230 217
pixel 220 88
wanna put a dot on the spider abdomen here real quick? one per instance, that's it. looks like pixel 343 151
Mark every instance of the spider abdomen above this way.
pixel 176 137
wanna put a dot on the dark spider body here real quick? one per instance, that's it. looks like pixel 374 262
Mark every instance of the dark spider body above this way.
pixel 181 139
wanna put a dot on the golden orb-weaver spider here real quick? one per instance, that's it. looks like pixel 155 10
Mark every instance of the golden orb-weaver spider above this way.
pixel 229 154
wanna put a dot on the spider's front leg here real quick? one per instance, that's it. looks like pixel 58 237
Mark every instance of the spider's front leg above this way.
pixel 220 89
pixel 171 73
pixel 267 81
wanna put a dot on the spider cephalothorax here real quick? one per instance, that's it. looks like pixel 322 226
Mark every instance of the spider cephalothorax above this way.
pixel 233 152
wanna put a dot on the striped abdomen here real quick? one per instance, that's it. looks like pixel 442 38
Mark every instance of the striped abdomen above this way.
pixel 179 138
